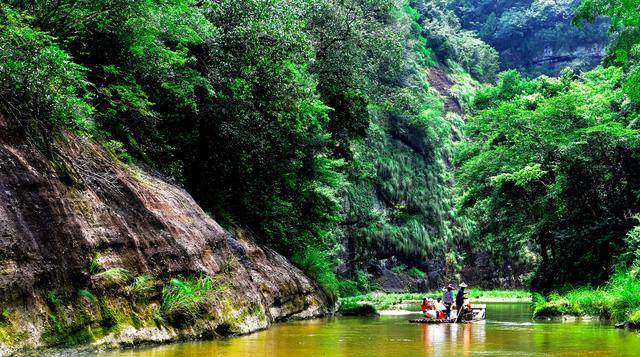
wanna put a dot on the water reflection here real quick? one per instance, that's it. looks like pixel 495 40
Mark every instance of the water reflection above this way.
pixel 438 339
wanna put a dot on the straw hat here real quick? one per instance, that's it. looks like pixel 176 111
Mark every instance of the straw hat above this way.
pixel 463 285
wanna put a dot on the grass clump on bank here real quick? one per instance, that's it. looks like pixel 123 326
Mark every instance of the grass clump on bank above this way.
pixel 619 300
pixel 184 297
pixel 114 275
pixel 349 307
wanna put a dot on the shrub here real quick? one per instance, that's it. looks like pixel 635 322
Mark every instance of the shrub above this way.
pixel 94 264
pixel 5 316
pixel 52 298
pixel 316 264
pixel 634 318
pixel 400 268
pixel 352 308
pixel 117 149
pixel 86 294
pixel 624 291
pixel 416 273
pixel 363 281
pixel 618 300
pixel 347 288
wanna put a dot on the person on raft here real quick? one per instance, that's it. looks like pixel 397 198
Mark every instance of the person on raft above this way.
pixel 440 309
pixel 447 300
pixel 424 306
pixel 428 310
pixel 460 296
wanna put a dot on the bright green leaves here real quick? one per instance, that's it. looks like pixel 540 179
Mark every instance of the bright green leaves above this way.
pixel 522 177
pixel 632 85
pixel 622 12
pixel 40 84
pixel 161 36
pixel 306 115
pixel 625 48
pixel 240 89
pixel 454 46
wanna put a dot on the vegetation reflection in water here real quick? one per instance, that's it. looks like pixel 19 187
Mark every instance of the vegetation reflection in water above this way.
pixel 508 331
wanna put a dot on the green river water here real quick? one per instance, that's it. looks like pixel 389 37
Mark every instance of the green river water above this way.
pixel 508 331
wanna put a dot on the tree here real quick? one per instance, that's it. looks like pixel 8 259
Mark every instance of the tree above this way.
pixel 551 168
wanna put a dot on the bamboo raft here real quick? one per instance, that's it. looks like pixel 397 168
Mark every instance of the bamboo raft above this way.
pixel 477 313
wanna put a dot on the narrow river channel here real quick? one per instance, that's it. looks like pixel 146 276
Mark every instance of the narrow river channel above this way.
pixel 508 331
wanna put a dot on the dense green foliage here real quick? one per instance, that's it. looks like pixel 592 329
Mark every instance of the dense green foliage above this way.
pixel 183 298
pixel 619 298
pixel 398 195
pixel 625 27
pixel 532 34
pixel 321 125
pixel 450 42
pixel 40 85
pixel 353 308
pixel 310 122
pixel 550 173
pixel 552 166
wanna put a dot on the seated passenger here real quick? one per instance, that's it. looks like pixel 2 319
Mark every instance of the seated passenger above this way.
pixel 427 309
pixel 424 307
pixel 440 308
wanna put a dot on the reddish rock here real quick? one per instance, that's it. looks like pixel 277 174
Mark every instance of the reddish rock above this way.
pixel 52 222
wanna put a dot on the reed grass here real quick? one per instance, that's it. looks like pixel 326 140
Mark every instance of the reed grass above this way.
pixel 115 275
pixel 184 297
pixel 143 283
pixel 619 300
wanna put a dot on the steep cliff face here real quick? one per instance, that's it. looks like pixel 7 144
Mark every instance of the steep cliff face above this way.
pixel 59 216
pixel 580 57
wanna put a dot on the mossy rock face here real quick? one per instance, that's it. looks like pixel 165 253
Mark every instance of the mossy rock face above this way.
pixel 84 321
pixel 10 333
pixel 65 172
pixel 240 319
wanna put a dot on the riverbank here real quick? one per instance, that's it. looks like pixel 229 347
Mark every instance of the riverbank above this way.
pixel 394 303
pixel 618 301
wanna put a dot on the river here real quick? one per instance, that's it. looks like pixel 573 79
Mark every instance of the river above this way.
pixel 508 331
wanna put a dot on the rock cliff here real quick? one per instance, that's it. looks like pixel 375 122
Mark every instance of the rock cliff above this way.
pixel 78 226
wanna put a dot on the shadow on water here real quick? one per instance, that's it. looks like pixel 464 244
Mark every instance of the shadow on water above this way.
pixel 508 331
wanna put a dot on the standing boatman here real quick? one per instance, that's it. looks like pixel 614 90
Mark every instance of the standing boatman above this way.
pixel 447 300
pixel 460 299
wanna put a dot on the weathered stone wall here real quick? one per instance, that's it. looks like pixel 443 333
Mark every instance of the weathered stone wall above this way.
pixel 58 212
